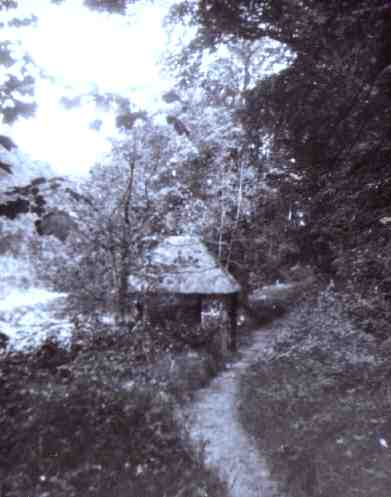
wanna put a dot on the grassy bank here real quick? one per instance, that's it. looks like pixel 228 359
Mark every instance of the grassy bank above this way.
pixel 319 405
pixel 99 420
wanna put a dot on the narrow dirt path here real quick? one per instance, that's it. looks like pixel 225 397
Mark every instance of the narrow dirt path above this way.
pixel 213 420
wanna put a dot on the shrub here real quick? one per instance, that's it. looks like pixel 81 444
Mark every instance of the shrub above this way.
pixel 96 423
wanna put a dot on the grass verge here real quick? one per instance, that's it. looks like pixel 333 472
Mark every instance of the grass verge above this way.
pixel 319 403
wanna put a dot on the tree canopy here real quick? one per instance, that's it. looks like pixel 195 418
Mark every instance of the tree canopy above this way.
pixel 298 149
pixel 330 110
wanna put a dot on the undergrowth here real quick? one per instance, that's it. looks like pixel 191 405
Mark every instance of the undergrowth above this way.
pixel 319 403
pixel 99 419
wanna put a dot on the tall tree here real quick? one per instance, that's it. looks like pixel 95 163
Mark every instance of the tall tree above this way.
pixel 330 110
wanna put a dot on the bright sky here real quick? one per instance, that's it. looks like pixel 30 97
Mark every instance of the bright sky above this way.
pixel 82 50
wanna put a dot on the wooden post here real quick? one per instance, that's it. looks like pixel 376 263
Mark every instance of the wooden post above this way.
pixel 199 309
pixel 233 315
pixel 140 303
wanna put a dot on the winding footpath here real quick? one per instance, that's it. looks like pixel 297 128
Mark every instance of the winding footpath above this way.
pixel 213 422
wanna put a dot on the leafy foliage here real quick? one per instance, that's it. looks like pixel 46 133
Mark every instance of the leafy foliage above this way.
pixel 318 404
pixel 328 110
pixel 112 6
pixel 90 421
pixel 15 89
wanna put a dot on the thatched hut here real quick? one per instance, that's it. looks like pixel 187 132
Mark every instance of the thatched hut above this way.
pixel 181 268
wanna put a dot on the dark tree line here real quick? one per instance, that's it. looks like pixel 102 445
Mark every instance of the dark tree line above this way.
pixel 330 110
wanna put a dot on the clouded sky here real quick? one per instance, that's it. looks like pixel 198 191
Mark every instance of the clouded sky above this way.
pixel 84 50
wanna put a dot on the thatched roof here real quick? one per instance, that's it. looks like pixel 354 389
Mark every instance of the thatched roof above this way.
pixel 182 265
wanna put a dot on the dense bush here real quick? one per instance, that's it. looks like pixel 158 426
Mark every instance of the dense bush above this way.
pixel 318 405
pixel 97 420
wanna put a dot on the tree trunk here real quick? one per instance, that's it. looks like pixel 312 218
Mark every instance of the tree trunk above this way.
pixel 122 299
